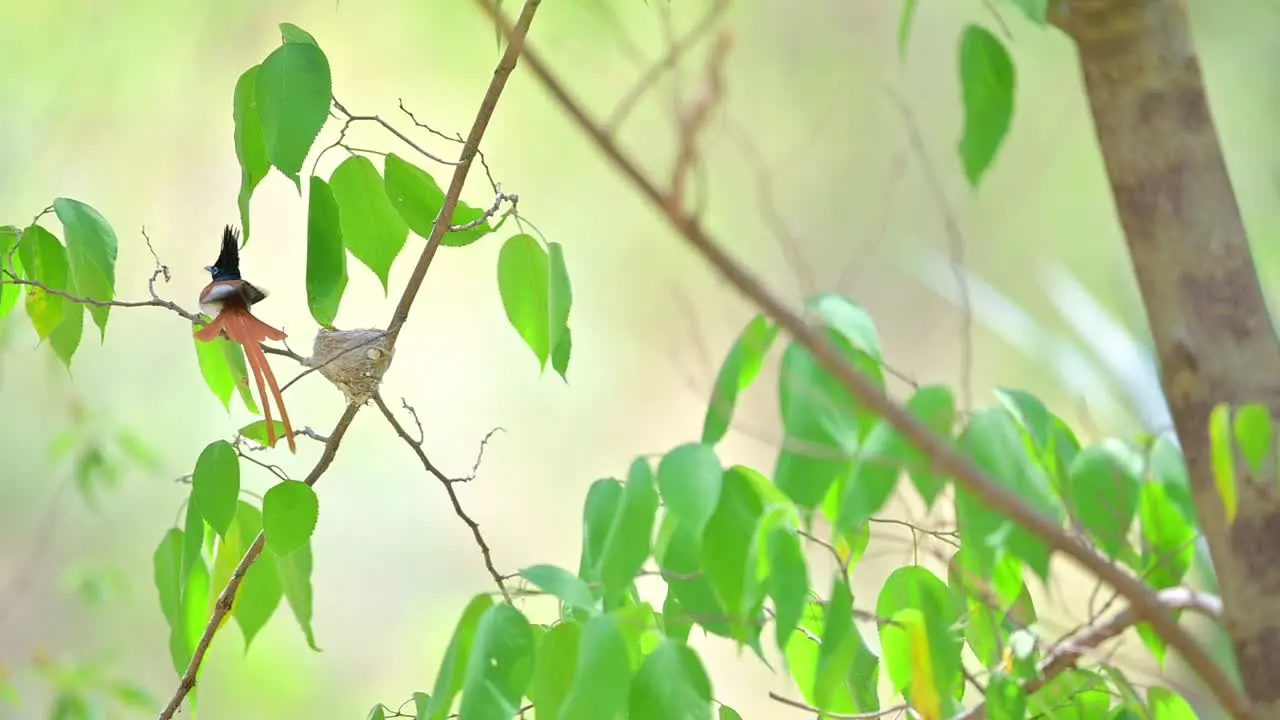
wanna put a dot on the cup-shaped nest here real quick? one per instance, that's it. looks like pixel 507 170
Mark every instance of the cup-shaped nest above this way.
pixel 353 360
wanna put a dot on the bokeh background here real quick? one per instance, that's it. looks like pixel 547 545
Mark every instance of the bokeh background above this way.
pixel 127 106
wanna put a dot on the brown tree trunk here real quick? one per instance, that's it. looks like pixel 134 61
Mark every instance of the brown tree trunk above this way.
pixel 1187 242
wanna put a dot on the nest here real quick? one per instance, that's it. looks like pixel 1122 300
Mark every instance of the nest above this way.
pixel 353 360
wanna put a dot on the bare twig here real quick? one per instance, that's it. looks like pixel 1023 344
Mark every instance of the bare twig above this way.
pixel 886 712
pixel 693 123
pixel 654 73
pixel 447 483
pixel 946 458
pixel 228 595
pixel 351 118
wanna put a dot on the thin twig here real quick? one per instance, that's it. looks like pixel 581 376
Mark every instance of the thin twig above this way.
pixel 838 716
pixel 447 483
pixel 654 73
pixel 228 595
pixel 946 458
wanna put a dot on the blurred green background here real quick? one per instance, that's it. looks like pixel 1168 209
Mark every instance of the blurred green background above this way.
pixel 127 106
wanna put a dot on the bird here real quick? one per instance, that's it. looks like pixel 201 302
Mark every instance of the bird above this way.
pixel 228 300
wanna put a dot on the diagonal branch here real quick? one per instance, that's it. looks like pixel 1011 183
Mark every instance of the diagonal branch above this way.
pixel 228 596
pixel 946 458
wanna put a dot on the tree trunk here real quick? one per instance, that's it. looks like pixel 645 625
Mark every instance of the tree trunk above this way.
pixel 1204 304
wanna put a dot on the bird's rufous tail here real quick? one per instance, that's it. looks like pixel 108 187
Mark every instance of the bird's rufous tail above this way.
pixel 242 327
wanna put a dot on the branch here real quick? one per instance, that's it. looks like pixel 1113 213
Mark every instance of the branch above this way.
pixel 515 43
pixel 228 596
pixel 441 226
pixel 1065 656
pixel 945 457
pixel 8 276
pixel 447 482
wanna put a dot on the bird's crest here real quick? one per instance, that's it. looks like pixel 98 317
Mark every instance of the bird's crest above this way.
pixel 227 266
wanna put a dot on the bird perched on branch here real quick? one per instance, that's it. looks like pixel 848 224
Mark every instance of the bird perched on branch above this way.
pixel 228 300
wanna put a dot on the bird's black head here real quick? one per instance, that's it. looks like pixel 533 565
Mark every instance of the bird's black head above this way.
pixel 227 266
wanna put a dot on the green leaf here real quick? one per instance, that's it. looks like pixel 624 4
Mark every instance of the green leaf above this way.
pixel 1168 538
pixel 728 713
pixel 193 616
pixel 418 199
pixel 294 571
pixel 995 444
pixel 788 582
pixel 193 531
pixel 1037 11
pixel 261 591
pixel 739 370
pixel 836 654
pixel 291 33
pixel 1105 471
pixel 215 485
pixel 1223 458
pixel 133 696
pixel 561 583
pixel 377 712
pixel 559 300
pixel 257 431
pixel 293 89
pixel 555 668
pixel 1005 699
pixel 905 20
pixel 602 675
pixel 671 683
pixel 935 406
pixel 371 227
pixel 726 549
pixel 421 701
pixel 629 539
pixel 91 250
pixel 524 284
pixel 251 146
pixel 1169 468
pixel 1255 436
pixel 453 668
pixel 223 368
pixel 824 424
pixel 681 564
pixel 1072 695
pixel 858 693
pixel 167 568
pixel 500 666
pixel 560 355
pixel 326 254
pixel 66 338
pixel 915 588
pixel 874 478
pixel 413 193
pixel 599 512
pixel 289 513
pixel 987 79
pixel 690 478
pixel 9 293
pixel 851 321
pixel 1168 705
pixel 45 261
